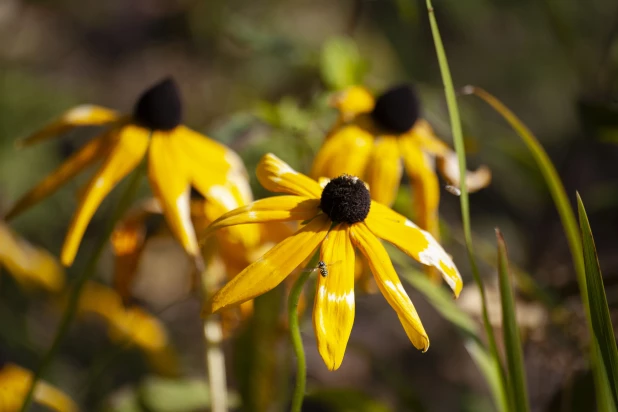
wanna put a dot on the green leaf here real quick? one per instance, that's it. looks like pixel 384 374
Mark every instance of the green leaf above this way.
pixel 512 342
pixel 569 224
pixel 458 141
pixel 599 311
pixel 341 64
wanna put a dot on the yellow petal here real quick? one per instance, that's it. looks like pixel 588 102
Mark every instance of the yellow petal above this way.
pixel 136 326
pixel 14 383
pixel 384 171
pixel 424 137
pixel 424 183
pixel 416 243
pixel 91 151
pixel 85 115
pixel 270 209
pixel 169 180
pixel 29 265
pixel 448 164
pixel 353 101
pixel 277 176
pixel 124 157
pixel 347 151
pixel 333 310
pixel 389 284
pixel 270 270
pixel 98 299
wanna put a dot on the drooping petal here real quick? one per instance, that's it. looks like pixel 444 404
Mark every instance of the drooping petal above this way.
pixel 424 183
pixel 384 170
pixel 448 164
pixel 85 115
pixel 169 179
pixel 270 270
pixel 415 242
pixel 353 101
pixel 88 154
pixel 29 265
pixel 123 157
pixel 424 137
pixel 389 284
pixel 347 151
pixel 277 176
pixel 270 209
pixel 333 310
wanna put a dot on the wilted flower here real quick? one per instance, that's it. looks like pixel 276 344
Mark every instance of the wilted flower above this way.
pixel 338 217
pixel 376 138
pixel 178 159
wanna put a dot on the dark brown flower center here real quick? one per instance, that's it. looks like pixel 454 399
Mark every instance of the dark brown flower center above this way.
pixel 346 199
pixel 159 108
pixel 397 109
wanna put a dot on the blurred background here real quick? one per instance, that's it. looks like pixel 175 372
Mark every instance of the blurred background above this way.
pixel 257 75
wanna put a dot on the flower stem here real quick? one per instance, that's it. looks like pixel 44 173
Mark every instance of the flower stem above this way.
pixel 69 313
pixel 297 342
pixel 215 364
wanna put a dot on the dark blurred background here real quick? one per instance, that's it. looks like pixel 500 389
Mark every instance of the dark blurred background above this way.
pixel 253 75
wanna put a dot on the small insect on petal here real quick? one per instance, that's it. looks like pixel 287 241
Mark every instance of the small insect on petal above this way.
pixel 453 190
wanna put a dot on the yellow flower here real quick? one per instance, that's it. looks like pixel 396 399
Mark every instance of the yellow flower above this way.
pixel 376 138
pixel 178 158
pixel 338 217
pixel 14 384
pixel 29 265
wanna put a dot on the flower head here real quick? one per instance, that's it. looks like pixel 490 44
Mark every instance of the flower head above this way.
pixel 376 138
pixel 178 159
pixel 337 218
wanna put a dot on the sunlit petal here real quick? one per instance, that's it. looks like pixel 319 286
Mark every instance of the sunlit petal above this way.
pixel 333 310
pixel 124 157
pixel 384 170
pixel 353 101
pixel 347 151
pixel 85 156
pixel 389 284
pixel 424 137
pixel 448 165
pixel 270 209
pixel 424 183
pixel 270 270
pixel 169 180
pixel 277 176
pixel 416 243
pixel 85 115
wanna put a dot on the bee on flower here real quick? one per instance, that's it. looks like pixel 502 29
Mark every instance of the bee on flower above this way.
pixel 377 138
pixel 178 159
pixel 336 218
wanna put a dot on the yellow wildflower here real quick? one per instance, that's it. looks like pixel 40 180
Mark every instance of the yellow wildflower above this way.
pixel 178 159
pixel 338 218
pixel 376 138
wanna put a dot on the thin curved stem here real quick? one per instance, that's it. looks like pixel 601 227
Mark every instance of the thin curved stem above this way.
pixel 297 342
pixel 71 310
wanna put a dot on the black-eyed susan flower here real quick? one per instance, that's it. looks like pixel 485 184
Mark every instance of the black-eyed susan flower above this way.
pixel 178 159
pixel 338 218
pixel 14 384
pixel 377 138
pixel 29 265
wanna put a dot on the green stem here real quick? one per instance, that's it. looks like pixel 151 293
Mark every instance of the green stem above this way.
pixel 458 140
pixel 71 310
pixel 297 342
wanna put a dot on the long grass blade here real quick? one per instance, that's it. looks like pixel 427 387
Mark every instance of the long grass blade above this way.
pixel 569 224
pixel 599 311
pixel 458 140
pixel 512 341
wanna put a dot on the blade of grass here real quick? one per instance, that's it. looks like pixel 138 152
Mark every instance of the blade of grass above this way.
pixel 569 224
pixel 444 304
pixel 599 311
pixel 512 341
pixel 458 140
